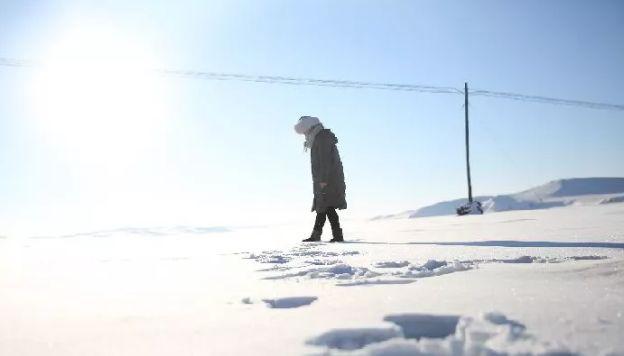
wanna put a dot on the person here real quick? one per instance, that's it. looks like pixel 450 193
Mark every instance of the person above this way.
pixel 327 176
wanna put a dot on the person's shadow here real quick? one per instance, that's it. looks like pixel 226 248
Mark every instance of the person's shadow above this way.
pixel 503 243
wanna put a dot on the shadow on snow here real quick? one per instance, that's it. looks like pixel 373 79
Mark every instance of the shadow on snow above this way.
pixel 504 243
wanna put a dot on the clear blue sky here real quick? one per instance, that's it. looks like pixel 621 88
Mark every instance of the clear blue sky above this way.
pixel 225 152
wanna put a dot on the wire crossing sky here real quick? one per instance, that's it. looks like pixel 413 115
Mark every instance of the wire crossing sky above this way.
pixel 272 79
pixel 119 119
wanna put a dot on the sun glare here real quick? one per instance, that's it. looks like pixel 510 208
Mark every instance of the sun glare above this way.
pixel 96 95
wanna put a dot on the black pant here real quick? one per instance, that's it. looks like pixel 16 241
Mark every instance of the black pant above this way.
pixel 333 220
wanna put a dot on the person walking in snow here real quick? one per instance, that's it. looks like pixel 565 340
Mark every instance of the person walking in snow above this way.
pixel 327 176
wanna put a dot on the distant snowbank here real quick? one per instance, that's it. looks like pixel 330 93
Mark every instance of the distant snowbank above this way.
pixel 558 193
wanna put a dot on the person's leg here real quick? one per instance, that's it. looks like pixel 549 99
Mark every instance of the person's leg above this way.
pixel 318 228
pixel 333 219
pixel 335 225
pixel 320 221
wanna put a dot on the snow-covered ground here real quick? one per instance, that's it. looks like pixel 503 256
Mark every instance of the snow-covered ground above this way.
pixel 518 282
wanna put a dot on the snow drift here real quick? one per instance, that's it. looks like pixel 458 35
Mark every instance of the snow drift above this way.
pixel 558 193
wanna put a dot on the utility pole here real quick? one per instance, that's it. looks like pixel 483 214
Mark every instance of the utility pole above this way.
pixel 467 143
pixel 472 207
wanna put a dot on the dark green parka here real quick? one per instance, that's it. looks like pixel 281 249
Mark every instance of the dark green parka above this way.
pixel 327 168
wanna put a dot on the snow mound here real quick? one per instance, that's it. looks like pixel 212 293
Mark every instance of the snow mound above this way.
pixel 587 258
pixel 316 256
pixel 558 193
pixel 436 268
pixel 574 187
pixel 425 334
pixel 392 264
pixel 340 271
pixel 521 259
pixel 611 200
pixel 270 257
pixel 321 262
pixel 432 264
pixel 289 302
pixel 507 203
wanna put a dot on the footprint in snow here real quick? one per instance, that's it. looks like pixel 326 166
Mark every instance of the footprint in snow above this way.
pixel 289 302
pixel 428 334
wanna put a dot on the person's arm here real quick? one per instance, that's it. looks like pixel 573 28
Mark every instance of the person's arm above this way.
pixel 325 160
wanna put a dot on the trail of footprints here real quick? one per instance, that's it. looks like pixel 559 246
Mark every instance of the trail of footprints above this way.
pixel 311 262
pixel 406 334
pixel 427 334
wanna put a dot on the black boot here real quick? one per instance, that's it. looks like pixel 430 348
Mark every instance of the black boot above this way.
pixel 337 236
pixel 315 236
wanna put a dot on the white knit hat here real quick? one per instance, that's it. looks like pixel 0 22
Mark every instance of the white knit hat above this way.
pixel 305 123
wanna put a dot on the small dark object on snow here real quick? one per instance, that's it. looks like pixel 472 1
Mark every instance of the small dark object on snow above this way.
pixel 470 208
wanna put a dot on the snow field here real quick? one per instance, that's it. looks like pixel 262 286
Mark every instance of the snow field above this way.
pixel 518 283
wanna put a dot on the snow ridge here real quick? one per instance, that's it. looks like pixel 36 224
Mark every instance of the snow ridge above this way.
pixel 557 193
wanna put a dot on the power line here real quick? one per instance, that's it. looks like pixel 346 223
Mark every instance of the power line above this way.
pixel 309 81
pixel 547 100
pixel 272 79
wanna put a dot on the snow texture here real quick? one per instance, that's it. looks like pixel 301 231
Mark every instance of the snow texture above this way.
pixel 340 271
pixel 435 268
pixel 392 264
pixel 145 231
pixel 349 275
pixel 290 302
pixel 368 282
pixel 403 271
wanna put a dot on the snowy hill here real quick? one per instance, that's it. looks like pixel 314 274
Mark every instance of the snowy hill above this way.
pixel 558 193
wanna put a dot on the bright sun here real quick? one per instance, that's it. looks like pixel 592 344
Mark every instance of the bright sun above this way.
pixel 96 95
